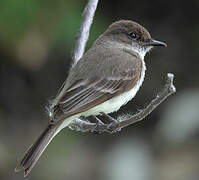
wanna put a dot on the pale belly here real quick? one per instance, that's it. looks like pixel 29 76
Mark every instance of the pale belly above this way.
pixel 113 104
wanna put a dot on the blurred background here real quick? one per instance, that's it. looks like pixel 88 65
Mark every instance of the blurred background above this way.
pixel 36 42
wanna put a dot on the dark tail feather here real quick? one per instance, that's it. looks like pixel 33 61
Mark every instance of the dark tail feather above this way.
pixel 34 152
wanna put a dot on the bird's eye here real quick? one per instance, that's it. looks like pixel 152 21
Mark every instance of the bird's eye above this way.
pixel 133 35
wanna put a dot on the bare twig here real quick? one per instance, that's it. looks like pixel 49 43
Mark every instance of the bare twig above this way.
pixel 83 35
pixel 85 126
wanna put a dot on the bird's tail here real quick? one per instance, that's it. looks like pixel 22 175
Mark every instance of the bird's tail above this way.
pixel 34 152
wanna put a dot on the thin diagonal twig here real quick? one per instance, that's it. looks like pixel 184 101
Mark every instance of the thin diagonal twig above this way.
pixel 83 34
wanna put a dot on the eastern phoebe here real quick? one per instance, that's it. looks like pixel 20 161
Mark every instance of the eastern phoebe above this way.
pixel 108 76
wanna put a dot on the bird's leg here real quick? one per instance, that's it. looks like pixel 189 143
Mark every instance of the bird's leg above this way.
pixel 97 120
pixel 112 121
pixel 98 123
pixel 110 118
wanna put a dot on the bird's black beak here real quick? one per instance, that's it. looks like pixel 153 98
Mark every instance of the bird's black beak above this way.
pixel 153 42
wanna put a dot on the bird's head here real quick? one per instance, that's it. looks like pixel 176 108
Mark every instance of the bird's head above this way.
pixel 133 34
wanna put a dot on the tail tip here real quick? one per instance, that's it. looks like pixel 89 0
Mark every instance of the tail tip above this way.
pixel 18 168
pixel 26 172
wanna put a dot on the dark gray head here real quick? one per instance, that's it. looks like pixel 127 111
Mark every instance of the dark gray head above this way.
pixel 129 32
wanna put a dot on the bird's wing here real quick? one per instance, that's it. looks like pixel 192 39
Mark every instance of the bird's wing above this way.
pixel 85 94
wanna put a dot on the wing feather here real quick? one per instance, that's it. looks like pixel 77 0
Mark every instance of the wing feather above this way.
pixel 86 94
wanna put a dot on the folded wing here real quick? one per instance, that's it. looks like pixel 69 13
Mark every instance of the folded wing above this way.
pixel 86 94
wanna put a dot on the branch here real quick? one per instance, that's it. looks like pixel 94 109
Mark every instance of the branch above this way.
pixel 83 34
pixel 85 126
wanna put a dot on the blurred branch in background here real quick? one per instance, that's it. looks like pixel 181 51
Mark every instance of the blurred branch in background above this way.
pixel 84 126
pixel 83 35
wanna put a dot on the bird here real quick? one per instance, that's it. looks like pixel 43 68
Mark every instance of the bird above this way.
pixel 105 78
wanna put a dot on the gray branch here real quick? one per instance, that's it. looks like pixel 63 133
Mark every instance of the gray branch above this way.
pixel 123 121
pixel 83 34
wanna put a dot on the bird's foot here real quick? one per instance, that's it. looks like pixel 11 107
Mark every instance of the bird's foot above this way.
pixel 98 123
pixel 113 122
